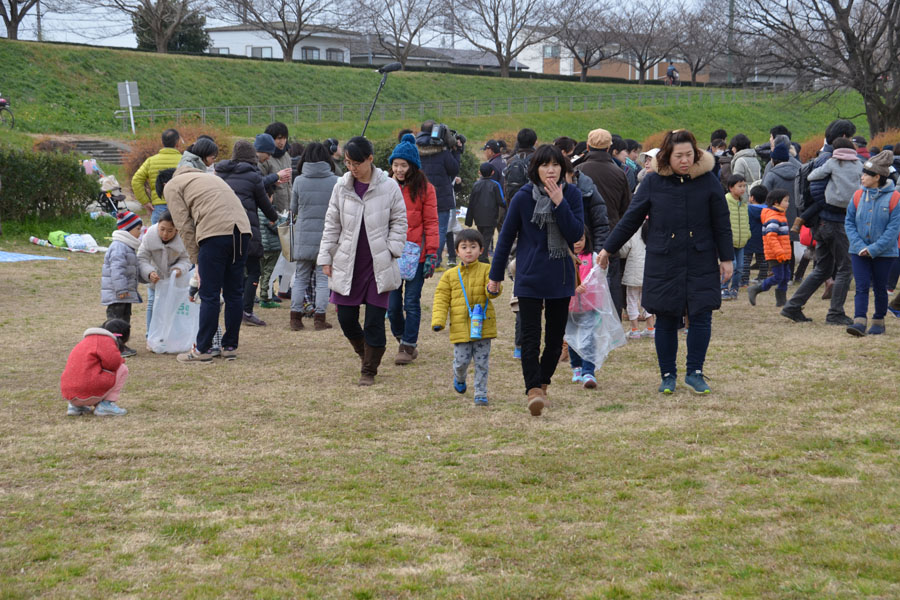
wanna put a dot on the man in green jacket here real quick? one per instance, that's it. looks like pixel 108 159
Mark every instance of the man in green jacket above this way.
pixel 167 158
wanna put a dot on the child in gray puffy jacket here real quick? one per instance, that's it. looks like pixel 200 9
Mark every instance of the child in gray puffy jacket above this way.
pixel 842 170
pixel 121 274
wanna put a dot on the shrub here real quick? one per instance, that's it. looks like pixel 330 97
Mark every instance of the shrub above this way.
pixel 43 185
pixel 51 145
pixel 891 136
pixel 655 140
pixel 810 148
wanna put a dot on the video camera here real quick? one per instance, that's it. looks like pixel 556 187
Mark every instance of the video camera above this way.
pixel 441 135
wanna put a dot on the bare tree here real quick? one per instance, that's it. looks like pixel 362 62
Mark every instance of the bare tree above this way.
pixel 287 21
pixel 844 43
pixel 503 28
pixel 646 34
pixel 702 36
pixel 13 12
pixel 585 33
pixel 163 18
pixel 399 24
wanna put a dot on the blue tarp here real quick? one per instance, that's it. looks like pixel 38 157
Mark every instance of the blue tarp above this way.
pixel 8 257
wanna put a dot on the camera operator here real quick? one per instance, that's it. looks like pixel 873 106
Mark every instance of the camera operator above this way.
pixel 439 151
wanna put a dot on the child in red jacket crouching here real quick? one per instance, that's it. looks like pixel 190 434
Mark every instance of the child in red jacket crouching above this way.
pixel 95 371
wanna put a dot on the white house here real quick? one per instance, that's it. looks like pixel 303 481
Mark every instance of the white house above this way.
pixel 324 43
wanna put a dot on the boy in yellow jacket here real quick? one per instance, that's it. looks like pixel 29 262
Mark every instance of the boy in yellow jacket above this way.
pixel 460 290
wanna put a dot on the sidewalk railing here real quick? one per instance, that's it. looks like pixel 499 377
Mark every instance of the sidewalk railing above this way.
pixel 444 109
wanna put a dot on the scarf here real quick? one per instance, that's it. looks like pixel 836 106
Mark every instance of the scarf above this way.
pixel 127 239
pixel 279 152
pixel 543 217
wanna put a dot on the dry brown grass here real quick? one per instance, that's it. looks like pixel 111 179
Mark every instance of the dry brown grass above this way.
pixel 276 476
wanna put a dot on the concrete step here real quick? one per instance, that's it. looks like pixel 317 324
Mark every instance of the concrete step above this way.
pixel 103 151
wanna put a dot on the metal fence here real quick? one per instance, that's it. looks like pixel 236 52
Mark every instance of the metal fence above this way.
pixel 441 109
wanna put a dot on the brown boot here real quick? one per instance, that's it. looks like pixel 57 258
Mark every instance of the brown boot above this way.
pixel 536 401
pixel 406 354
pixel 296 320
pixel 564 355
pixel 544 387
pixel 371 360
pixel 895 303
pixel 829 285
pixel 319 322
pixel 359 345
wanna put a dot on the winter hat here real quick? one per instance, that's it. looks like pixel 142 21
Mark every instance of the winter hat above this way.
pixel 264 143
pixel 406 150
pixel 599 139
pixel 880 164
pixel 780 153
pixel 243 152
pixel 127 221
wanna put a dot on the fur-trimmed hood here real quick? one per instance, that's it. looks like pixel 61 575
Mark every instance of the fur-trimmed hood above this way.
pixel 430 150
pixel 704 165
pixel 98 331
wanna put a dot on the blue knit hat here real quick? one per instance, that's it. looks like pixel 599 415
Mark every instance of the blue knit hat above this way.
pixel 407 151
pixel 264 143
pixel 780 153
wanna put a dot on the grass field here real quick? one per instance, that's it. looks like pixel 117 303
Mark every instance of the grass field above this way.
pixel 275 476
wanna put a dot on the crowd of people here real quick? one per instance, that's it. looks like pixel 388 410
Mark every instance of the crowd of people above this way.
pixel 677 230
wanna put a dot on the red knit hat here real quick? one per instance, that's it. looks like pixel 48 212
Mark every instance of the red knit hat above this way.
pixel 128 221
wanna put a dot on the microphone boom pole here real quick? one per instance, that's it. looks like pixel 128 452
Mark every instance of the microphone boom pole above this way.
pixel 384 70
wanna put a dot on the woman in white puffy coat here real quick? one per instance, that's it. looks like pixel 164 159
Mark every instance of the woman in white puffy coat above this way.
pixel 635 252
pixel 365 231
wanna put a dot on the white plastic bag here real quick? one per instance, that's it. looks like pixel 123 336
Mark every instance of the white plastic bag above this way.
pixel 453 225
pixel 594 329
pixel 175 321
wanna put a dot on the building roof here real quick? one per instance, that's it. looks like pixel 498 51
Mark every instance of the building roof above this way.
pixel 360 47
pixel 475 58
pixel 309 28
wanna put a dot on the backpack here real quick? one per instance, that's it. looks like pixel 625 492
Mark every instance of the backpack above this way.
pixel 516 175
pixel 895 199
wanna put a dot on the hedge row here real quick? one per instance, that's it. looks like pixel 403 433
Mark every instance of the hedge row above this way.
pixel 43 185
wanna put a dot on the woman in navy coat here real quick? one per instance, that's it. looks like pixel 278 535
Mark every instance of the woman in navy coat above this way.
pixel 689 251
pixel 546 216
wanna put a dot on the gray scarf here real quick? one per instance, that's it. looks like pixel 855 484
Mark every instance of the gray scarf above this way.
pixel 543 216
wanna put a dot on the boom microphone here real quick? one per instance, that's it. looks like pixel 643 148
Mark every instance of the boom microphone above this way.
pixel 390 68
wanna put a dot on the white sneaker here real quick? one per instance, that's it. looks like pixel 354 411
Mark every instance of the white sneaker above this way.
pixel 649 333
pixel 634 334
pixel 77 411
pixel 109 409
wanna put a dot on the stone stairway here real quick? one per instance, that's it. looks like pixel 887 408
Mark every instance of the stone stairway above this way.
pixel 109 152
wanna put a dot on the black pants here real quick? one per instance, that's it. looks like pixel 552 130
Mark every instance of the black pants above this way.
pixel 251 282
pixel 614 277
pixel 119 310
pixel 488 234
pixel 373 328
pixel 220 266
pixel 537 368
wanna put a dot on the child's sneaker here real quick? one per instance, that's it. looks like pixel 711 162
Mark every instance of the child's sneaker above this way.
pixel 77 411
pixel 251 319
pixel 228 353
pixel 634 334
pixel 668 384
pixel 517 353
pixel 576 375
pixel 128 352
pixel 268 304
pixel 459 386
pixel 109 409
pixel 481 401
pixel 696 381
pixel 193 355
pixel 215 351
pixel 589 382
pixel 650 332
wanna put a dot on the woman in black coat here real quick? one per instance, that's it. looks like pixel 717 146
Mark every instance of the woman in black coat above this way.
pixel 689 251
pixel 243 177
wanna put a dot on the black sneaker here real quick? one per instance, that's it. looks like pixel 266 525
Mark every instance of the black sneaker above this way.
pixel 842 320
pixel 128 352
pixel 795 314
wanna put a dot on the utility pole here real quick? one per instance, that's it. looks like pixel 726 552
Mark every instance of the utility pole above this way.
pixel 40 32
pixel 730 42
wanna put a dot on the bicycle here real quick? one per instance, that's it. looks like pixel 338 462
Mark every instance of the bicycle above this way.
pixel 6 115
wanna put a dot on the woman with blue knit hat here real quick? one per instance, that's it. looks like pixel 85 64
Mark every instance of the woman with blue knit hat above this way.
pixel 404 309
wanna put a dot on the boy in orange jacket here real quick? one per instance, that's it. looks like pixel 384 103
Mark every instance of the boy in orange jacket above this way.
pixel 777 247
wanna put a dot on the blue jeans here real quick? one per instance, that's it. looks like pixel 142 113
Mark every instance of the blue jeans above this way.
pixel 443 223
pixel 158 210
pixel 302 274
pixel 586 366
pixel 871 273
pixel 666 339
pixel 151 294
pixel 781 274
pixel 220 266
pixel 738 269
pixel 406 299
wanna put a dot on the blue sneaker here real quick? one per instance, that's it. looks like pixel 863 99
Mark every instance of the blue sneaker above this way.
pixel 109 409
pixel 668 384
pixel 459 386
pixel 576 375
pixel 517 353
pixel 481 401
pixel 696 381
pixel 894 312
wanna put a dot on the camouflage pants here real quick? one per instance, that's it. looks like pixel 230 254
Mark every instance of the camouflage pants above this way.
pixel 466 352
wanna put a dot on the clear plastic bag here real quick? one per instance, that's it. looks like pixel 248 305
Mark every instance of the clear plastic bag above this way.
pixel 175 321
pixel 594 329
